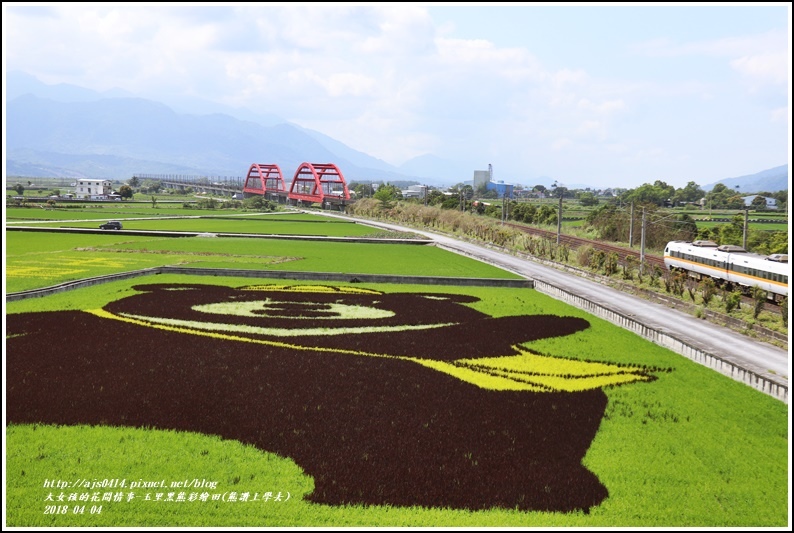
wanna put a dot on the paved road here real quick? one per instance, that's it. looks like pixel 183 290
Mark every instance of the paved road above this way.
pixel 722 342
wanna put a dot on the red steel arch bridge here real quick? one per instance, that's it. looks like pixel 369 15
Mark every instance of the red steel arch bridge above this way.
pixel 312 183
pixel 321 183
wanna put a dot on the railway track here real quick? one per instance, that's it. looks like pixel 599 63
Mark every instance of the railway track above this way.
pixel 575 242
pixel 650 260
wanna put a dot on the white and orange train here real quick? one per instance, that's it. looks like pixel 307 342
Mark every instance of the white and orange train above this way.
pixel 730 265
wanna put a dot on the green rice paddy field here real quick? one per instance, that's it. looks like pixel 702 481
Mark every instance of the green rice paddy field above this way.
pixel 687 448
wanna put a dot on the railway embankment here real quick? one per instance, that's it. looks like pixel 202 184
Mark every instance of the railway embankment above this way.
pixel 741 326
pixel 697 350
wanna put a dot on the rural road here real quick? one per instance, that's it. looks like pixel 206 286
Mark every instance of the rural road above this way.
pixel 722 342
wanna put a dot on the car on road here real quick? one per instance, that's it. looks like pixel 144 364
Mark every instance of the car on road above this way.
pixel 111 224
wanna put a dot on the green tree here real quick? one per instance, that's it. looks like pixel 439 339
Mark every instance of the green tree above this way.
pixel 259 203
pixel 387 194
pixel 734 202
pixel 686 228
pixel 547 214
pixel 708 289
pixel 206 203
pixel 523 212
pixel 759 203
pixel 717 197
pixel 125 191
pixel 588 199
pixel 732 300
pixel 691 192
pixel 362 189
pixel 782 199
pixel 435 197
pixel 732 233
pixel 151 186
pixel 19 188
pixel 778 243
pixel 609 223
pixel 759 298
pixel 134 182
pixel 656 194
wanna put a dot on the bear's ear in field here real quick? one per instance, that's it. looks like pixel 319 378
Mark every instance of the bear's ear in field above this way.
pixel 160 287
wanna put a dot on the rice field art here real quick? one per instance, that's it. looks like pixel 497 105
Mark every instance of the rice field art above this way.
pixel 396 399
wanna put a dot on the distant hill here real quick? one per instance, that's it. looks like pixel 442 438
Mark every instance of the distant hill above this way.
pixel 60 130
pixel 117 137
pixel 771 180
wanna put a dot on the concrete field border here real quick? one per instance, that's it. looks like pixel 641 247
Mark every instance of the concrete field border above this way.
pixel 271 274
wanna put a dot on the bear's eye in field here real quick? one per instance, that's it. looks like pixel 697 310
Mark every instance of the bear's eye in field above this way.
pixel 297 310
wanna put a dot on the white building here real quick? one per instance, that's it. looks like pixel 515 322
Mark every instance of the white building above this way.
pixel 482 177
pixel 93 189
pixel 771 203
pixel 415 191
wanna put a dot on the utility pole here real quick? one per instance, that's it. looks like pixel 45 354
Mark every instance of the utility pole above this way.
pixel 642 244
pixel 631 227
pixel 559 220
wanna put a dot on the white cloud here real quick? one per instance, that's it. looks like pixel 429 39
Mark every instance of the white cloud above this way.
pixel 389 80
pixel 605 108
pixel 765 68
pixel 764 58
pixel 781 114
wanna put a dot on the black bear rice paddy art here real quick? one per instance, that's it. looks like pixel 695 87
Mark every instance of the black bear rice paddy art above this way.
pixel 383 398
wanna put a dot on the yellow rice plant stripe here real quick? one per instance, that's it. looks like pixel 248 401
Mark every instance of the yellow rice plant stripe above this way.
pixel 105 314
pixel 478 378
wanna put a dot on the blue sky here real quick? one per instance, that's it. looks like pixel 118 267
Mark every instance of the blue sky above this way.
pixel 604 95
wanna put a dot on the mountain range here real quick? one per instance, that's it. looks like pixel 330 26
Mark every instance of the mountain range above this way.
pixel 771 180
pixel 66 130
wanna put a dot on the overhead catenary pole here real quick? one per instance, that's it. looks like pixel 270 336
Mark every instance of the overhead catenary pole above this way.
pixel 642 244
pixel 559 220
pixel 631 227
pixel 744 236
